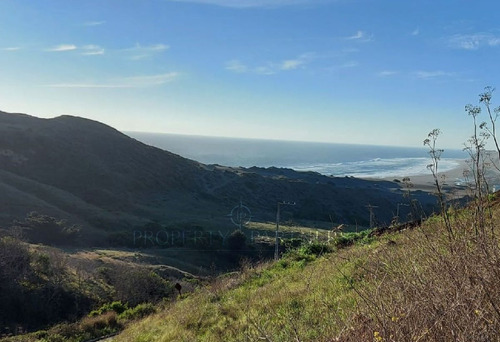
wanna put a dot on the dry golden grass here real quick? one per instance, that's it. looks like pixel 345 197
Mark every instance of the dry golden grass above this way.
pixel 432 288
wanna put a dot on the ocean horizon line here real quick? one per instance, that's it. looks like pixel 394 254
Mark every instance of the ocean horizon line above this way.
pixel 203 136
pixel 331 159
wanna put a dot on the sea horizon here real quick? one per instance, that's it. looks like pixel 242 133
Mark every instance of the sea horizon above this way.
pixel 331 159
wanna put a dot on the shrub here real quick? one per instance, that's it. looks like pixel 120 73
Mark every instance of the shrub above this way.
pixel 116 307
pixel 100 325
pixel 315 248
pixel 48 230
pixel 236 240
pixel 140 311
pixel 309 251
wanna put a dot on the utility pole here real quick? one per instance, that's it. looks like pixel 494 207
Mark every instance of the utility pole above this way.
pixel 276 246
pixel 372 214
pixel 240 216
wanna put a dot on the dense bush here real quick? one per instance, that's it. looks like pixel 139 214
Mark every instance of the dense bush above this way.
pixel 33 287
pixel 37 228
pixel 236 240
pixel 136 285
pixel 116 307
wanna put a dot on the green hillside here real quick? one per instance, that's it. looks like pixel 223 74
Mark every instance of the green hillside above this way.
pixel 417 285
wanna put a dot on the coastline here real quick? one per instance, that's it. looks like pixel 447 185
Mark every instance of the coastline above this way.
pixel 451 177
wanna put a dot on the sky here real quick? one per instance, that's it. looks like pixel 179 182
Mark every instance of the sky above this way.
pixel 382 72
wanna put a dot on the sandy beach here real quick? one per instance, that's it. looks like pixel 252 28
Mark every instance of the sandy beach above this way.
pixel 450 178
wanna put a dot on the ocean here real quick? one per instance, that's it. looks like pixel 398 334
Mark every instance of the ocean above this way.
pixel 362 161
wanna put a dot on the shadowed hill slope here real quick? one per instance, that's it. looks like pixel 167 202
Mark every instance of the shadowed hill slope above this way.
pixel 92 174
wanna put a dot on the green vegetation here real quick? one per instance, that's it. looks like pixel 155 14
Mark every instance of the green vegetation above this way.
pixel 37 228
pixel 41 286
pixel 416 285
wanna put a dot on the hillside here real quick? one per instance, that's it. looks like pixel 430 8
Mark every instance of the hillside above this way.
pixel 428 283
pixel 91 174
pixel 416 285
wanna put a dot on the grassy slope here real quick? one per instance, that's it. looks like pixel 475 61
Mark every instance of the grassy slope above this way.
pixel 414 286
pixel 273 301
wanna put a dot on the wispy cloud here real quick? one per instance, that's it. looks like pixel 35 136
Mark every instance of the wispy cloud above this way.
pixel 473 41
pixel 94 23
pixel 150 80
pixel 62 48
pixel 427 75
pixel 143 81
pixel 345 65
pixel 271 68
pixel 140 52
pixel 350 64
pixel 92 50
pixel 86 50
pixel 387 73
pixel 256 3
pixel 292 64
pixel 415 32
pixel 236 66
pixel 12 48
pixel 265 70
pixel 360 36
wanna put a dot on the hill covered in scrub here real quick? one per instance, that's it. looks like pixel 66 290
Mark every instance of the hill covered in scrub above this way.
pixel 429 283
pixel 94 176
pixel 425 284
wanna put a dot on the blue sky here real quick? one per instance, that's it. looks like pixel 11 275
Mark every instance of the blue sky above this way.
pixel 349 71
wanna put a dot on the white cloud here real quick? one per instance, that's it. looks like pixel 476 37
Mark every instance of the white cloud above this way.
pixel 236 66
pixel 271 67
pixel 159 47
pixel 494 41
pixel 473 41
pixel 92 50
pixel 62 47
pixel 291 64
pixel 360 36
pixel 387 73
pixel 427 75
pixel 350 64
pixel 12 48
pixel 141 52
pixel 125 82
pixel 138 57
pixel 255 3
pixel 265 70
pixel 87 50
pixel 303 59
pixel 150 80
pixel 94 23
